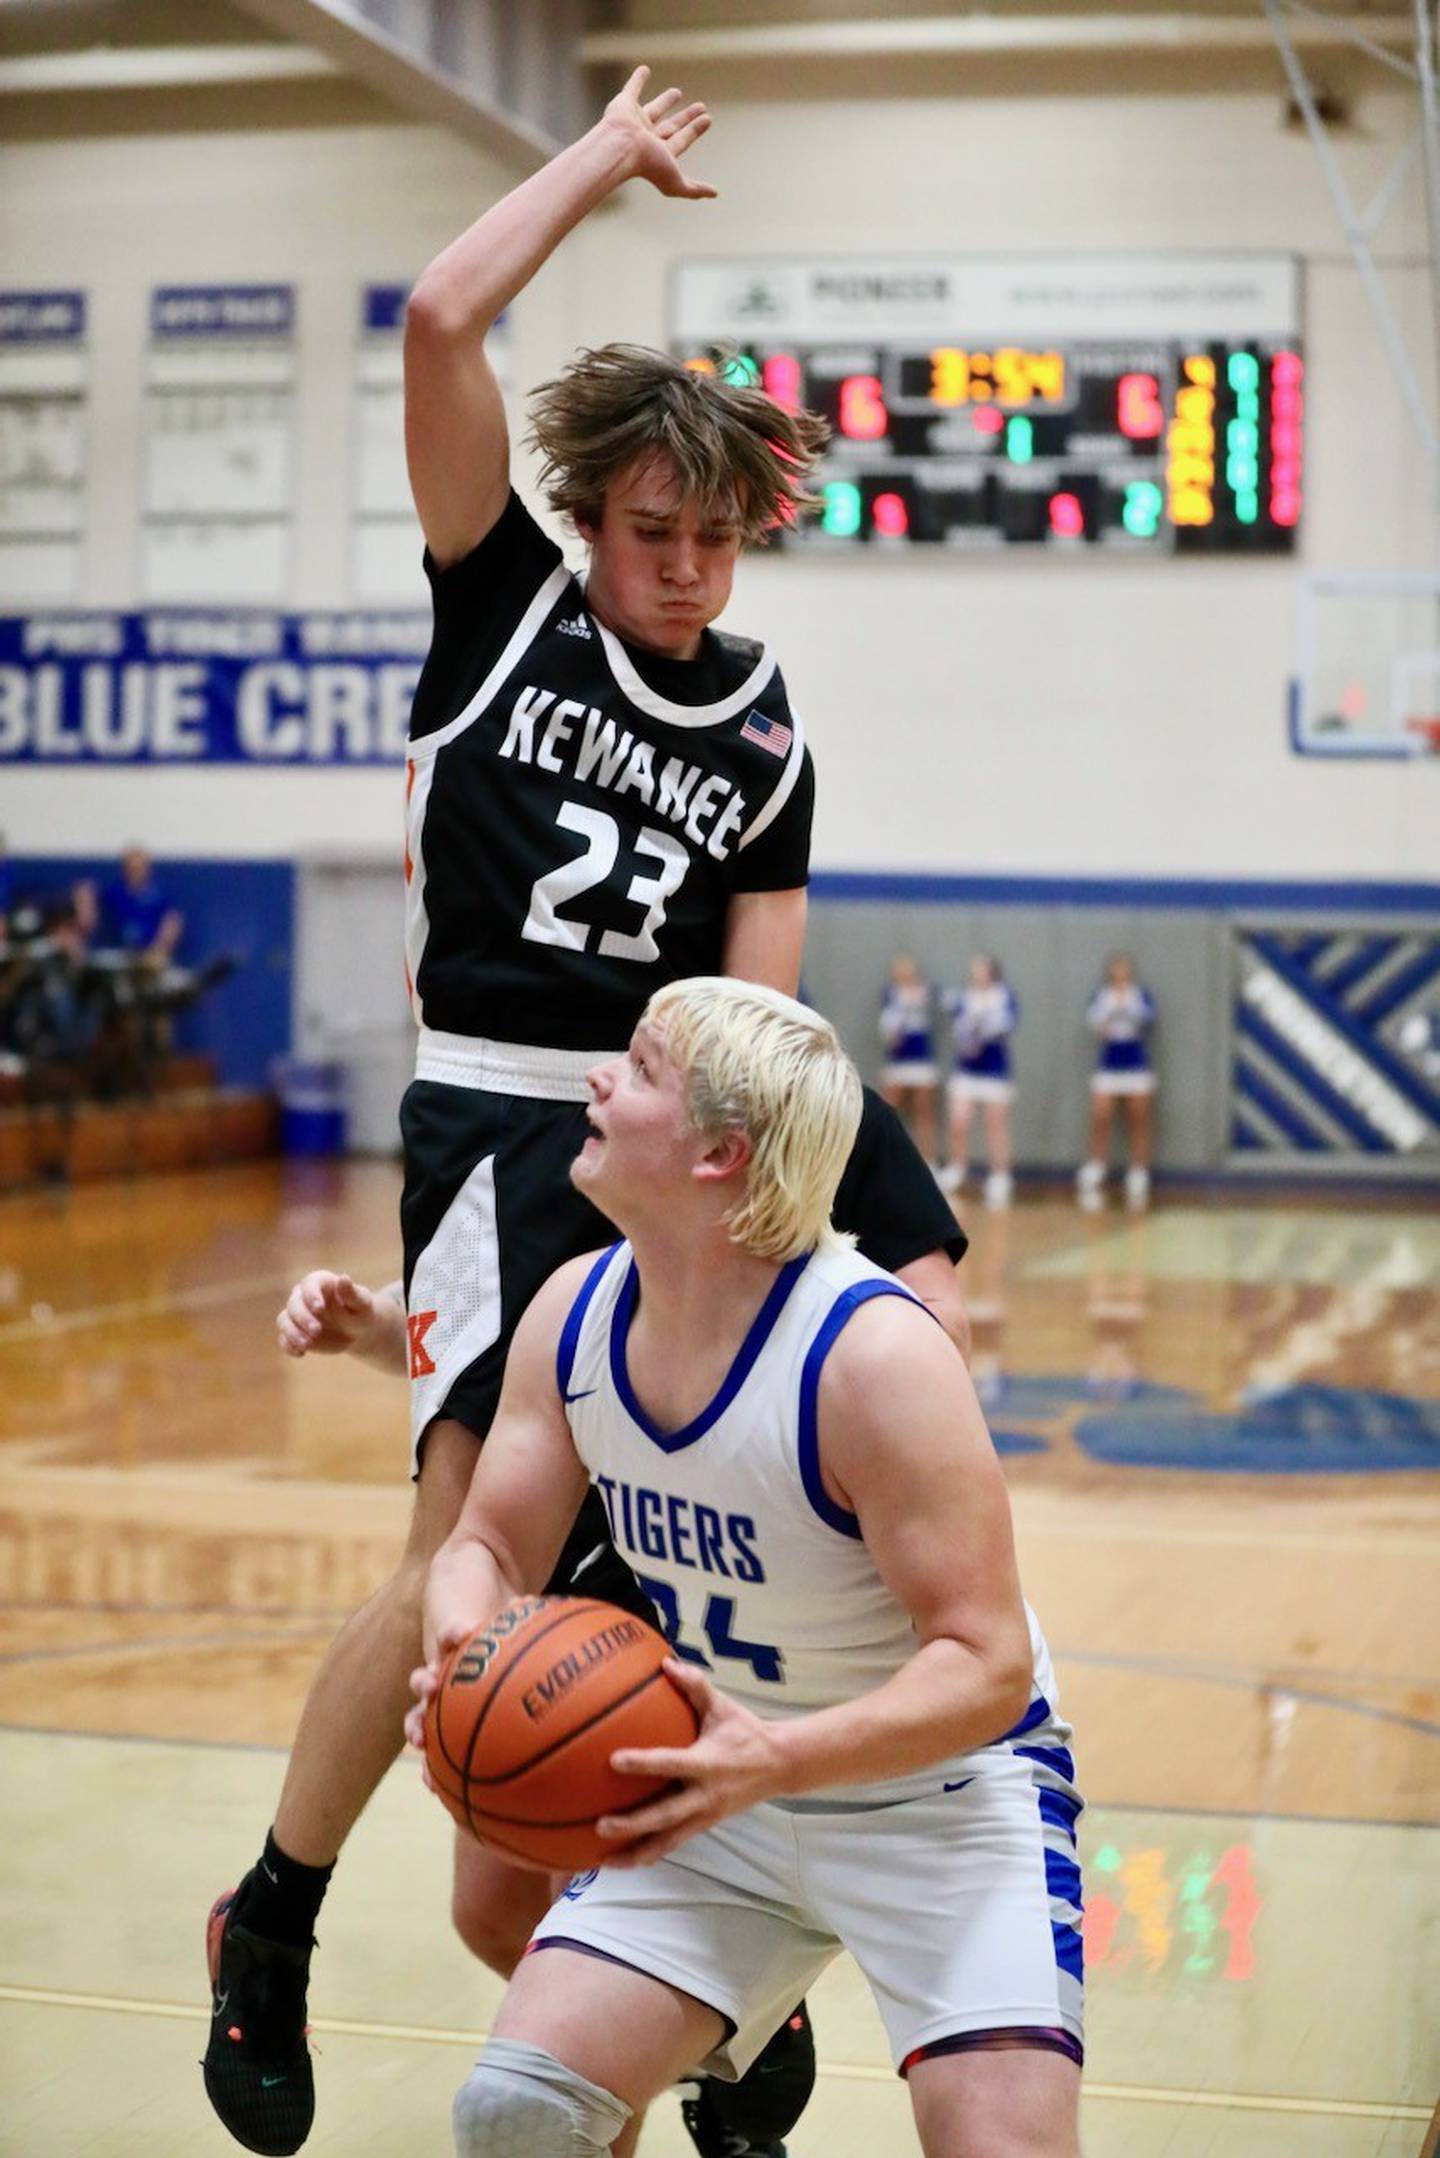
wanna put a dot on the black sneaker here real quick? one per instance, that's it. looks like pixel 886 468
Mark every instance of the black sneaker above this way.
pixel 257 2065
pixel 751 2118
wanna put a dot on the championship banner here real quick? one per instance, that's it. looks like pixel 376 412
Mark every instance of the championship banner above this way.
pixel 208 687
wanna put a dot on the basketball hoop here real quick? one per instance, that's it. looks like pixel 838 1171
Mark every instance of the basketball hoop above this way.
pixel 1427 733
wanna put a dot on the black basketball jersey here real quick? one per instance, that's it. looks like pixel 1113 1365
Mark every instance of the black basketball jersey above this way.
pixel 580 814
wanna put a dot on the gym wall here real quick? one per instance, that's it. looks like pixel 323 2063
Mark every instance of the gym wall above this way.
pixel 1026 718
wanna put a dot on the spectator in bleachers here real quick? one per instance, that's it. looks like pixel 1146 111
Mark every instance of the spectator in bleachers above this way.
pixel 53 1030
pixel 137 912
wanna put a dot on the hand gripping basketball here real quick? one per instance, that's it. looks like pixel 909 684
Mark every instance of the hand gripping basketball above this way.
pixel 528 1710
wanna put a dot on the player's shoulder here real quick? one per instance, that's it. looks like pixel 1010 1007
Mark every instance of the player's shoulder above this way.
pixel 734 655
pixel 513 546
pixel 737 662
pixel 844 1286
pixel 891 1365
pixel 865 1311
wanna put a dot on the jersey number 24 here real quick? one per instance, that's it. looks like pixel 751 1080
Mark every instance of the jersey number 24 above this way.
pixel 718 1626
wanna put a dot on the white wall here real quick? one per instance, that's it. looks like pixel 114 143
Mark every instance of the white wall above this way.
pixel 1027 715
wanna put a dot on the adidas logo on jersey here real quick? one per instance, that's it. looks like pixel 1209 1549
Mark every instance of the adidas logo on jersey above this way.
pixel 578 628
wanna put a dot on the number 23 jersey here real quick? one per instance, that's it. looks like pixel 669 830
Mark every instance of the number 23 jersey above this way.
pixel 579 815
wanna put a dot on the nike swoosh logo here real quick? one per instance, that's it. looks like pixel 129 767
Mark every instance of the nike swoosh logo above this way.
pixel 268 2083
pixel 958 1786
pixel 583 1395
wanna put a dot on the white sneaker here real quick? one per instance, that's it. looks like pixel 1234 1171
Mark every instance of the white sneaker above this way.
pixel 999 1190
pixel 951 1178
pixel 1137 1190
pixel 1090 1186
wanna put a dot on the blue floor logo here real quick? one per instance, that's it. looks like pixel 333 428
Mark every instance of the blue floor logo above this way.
pixel 1294 1431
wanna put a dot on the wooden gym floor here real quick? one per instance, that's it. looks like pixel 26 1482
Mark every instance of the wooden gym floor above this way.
pixel 1222 1431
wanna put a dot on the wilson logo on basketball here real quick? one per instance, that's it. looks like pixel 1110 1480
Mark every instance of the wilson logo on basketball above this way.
pixel 540 1698
pixel 481 1651
pixel 475 1661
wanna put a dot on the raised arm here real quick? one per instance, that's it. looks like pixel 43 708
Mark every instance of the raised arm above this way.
pixel 456 441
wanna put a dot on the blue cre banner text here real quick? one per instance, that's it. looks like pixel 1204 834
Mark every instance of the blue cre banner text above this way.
pixel 193 686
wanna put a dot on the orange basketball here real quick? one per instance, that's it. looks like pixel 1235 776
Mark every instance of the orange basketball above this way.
pixel 529 1709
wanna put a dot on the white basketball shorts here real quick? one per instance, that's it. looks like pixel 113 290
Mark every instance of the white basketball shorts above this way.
pixel 961 1907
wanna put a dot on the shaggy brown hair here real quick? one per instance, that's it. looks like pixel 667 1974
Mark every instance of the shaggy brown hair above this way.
pixel 744 458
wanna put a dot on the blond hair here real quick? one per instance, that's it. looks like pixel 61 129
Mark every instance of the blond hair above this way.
pixel 757 1062
pixel 745 459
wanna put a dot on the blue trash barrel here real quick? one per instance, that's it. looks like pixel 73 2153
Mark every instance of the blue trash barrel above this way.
pixel 314 1107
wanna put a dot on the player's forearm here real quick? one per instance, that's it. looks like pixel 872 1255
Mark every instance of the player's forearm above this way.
pixel 474 279
pixel 385 1346
pixel 467 1584
pixel 946 1700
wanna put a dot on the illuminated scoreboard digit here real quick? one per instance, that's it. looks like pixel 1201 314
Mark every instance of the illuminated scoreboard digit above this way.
pixel 1145 405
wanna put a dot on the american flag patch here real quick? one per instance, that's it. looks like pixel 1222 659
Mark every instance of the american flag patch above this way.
pixel 771 734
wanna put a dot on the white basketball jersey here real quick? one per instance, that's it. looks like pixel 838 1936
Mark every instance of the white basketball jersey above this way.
pixel 759 1576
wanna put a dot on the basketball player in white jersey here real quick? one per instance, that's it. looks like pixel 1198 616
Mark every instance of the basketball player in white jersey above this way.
pixel 792 1457
pixel 603 794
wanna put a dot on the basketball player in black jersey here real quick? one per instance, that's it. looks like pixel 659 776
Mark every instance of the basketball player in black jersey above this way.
pixel 602 795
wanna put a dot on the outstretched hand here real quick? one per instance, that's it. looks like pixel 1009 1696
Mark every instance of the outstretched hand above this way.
pixel 659 132
pixel 733 1763
pixel 325 1314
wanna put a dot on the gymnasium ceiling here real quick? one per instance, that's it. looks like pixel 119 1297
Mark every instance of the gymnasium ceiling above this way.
pixel 520 76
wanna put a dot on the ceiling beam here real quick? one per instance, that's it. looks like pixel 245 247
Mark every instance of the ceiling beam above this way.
pixel 158 67
pixel 927 36
pixel 372 56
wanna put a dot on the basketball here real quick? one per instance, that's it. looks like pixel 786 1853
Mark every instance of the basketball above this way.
pixel 529 1709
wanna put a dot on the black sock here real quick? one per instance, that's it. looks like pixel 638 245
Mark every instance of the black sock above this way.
pixel 770 2097
pixel 281 1898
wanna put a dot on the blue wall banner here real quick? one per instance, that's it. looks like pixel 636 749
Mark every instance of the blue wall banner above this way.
pixel 240 311
pixel 1334 1033
pixel 179 686
pixel 42 318
pixel 382 307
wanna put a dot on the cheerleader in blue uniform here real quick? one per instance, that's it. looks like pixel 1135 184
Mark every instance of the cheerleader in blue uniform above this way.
pixel 1121 1013
pixel 983 1016
pixel 910 1075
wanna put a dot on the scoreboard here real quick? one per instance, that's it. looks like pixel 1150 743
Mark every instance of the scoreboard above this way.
pixel 1144 405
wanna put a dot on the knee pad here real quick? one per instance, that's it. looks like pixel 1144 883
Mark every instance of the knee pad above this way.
pixel 520 2102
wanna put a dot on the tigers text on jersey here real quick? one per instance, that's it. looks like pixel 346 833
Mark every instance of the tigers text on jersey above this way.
pixel 757 1574
pixel 574 832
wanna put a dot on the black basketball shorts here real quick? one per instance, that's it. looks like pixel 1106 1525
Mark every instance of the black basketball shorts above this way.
pixel 487 1214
